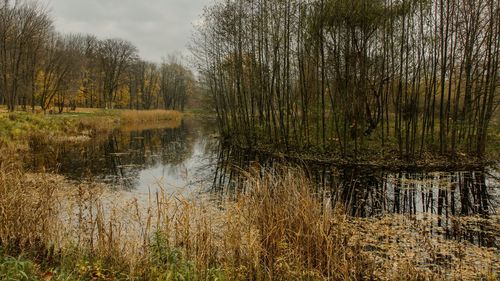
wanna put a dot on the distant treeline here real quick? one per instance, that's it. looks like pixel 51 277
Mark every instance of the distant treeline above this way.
pixel 346 75
pixel 40 67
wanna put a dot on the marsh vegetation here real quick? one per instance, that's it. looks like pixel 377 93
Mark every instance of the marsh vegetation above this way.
pixel 338 140
pixel 278 229
pixel 172 202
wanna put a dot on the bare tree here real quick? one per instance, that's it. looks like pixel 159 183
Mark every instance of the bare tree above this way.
pixel 22 25
pixel 114 56
pixel 60 73
pixel 343 76
pixel 175 83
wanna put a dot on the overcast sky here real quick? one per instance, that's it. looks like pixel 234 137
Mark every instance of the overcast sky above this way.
pixel 156 27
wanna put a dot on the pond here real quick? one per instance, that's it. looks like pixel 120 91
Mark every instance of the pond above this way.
pixel 136 159
pixel 190 159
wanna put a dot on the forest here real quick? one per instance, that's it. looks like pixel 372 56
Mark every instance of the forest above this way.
pixel 42 69
pixel 346 77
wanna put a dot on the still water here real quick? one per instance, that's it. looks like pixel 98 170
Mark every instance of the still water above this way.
pixel 190 159
pixel 138 160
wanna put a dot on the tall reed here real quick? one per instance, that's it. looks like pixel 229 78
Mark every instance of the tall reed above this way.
pixel 278 229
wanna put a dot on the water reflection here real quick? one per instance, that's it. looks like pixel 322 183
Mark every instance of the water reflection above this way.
pixel 459 204
pixel 367 192
pixel 189 158
pixel 135 160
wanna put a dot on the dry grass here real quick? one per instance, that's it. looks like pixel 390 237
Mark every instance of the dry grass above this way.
pixel 144 116
pixel 166 124
pixel 22 128
pixel 278 230
pixel 87 110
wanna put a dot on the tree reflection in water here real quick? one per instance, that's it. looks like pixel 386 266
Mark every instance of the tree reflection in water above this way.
pixel 119 158
pixel 458 204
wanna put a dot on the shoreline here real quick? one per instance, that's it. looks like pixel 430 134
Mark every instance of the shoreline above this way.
pixel 429 163
pixel 20 127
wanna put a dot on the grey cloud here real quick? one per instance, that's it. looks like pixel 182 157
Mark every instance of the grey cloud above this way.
pixel 156 27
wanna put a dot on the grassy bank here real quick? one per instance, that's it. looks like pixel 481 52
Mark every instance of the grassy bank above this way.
pixel 277 230
pixel 20 127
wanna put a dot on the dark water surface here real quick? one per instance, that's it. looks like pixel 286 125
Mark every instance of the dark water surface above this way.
pixel 190 159
pixel 138 160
